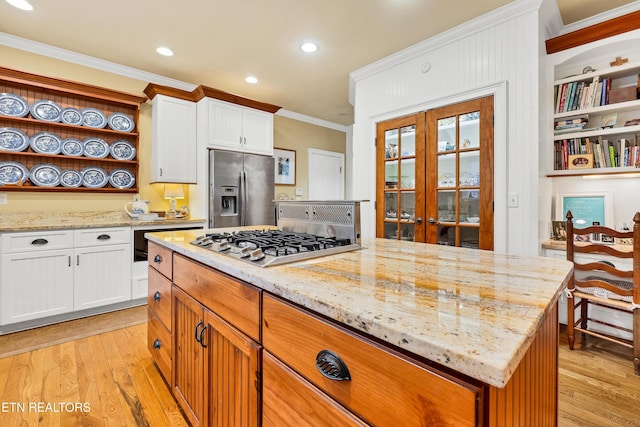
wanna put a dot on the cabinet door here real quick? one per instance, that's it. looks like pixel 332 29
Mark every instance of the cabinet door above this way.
pixel 459 165
pixel 173 153
pixel 400 178
pixel 232 372
pixel 224 125
pixel 102 276
pixel 257 131
pixel 34 285
pixel 188 355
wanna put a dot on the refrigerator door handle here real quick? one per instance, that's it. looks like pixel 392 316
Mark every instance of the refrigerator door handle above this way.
pixel 243 198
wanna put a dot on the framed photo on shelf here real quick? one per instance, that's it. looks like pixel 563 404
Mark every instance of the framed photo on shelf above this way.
pixel 559 230
pixel 285 166
pixel 586 208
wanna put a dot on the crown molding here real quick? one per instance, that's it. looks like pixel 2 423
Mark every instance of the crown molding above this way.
pixel 311 120
pixel 602 17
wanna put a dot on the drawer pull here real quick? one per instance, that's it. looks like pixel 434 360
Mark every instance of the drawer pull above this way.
pixel 157 259
pixel 156 296
pixel 156 343
pixel 39 242
pixel 103 237
pixel 331 366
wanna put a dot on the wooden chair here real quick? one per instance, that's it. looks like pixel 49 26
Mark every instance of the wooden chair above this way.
pixel 601 283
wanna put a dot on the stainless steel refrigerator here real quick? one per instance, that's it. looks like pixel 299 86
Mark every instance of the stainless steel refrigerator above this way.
pixel 241 188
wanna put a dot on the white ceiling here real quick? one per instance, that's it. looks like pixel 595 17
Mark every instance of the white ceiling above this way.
pixel 217 43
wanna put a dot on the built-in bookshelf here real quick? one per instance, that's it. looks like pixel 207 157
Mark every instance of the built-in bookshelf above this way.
pixel 597 121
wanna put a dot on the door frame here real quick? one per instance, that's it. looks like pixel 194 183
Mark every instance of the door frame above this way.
pixel 499 92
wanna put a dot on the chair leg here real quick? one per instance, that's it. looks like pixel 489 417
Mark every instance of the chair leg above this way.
pixel 584 312
pixel 636 341
pixel 571 311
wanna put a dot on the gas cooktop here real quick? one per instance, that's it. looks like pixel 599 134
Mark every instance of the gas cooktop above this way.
pixel 273 247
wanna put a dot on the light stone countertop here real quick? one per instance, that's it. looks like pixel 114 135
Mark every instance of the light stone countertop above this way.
pixel 473 311
pixel 34 221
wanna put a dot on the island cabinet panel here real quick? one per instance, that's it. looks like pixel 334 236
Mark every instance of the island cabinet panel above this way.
pixel 384 388
pixel 159 344
pixel 290 400
pixel 232 371
pixel 188 355
pixel 159 296
pixel 530 398
pixel 236 302
pixel 216 363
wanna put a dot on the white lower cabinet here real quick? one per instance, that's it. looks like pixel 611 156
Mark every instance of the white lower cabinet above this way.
pixel 35 285
pixel 43 274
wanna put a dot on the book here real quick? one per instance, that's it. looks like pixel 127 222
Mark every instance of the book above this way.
pixel 563 97
pixel 594 89
pixel 612 155
pixel 582 118
pixel 605 153
pixel 571 96
pixel 597 95
pixel 609 120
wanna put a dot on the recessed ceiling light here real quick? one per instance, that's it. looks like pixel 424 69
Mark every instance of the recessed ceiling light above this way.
pixel 308 47
pixel 20 4
pixel 164 51
pixel 251 79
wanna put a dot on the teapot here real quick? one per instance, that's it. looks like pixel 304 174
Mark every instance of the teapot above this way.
pixel 138 207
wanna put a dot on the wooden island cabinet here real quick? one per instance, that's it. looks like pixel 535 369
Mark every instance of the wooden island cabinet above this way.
pixel 342 340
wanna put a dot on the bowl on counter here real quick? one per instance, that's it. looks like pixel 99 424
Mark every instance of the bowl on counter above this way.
pixel 473 219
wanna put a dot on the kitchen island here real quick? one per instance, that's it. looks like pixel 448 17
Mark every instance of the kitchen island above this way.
pixel 483 321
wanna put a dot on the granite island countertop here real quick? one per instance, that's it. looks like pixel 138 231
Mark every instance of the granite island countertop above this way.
pixel 474 311
pixel 34 221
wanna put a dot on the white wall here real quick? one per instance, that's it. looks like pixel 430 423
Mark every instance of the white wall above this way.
pixel 496 53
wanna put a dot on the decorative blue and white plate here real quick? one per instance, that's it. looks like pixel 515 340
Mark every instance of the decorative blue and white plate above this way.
pixel 71 116
pixel 11 173
pixel 12 139
pixel 122 150
pixel 70 178
pixel 13 105
pixel 93 118
pixel 96 148
pixel 72 147
pixel 121 122
pixel 121 178
pixel 45 175
pixel 46 110
pixel 46 143
pixel 93 177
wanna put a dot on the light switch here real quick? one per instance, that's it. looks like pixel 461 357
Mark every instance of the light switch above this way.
pixel 299 191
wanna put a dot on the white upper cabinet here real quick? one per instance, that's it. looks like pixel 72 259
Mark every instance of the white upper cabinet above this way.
pixel 233 127
pixel 173 152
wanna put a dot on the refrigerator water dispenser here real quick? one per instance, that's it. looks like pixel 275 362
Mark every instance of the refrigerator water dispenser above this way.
pixel 229 201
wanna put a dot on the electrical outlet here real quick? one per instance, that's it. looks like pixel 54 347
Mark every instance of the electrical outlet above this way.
pixel 3 198
pixel 299 191
pixel 513 200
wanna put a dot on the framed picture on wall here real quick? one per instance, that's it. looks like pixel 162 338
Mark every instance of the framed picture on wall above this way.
pixel 285 166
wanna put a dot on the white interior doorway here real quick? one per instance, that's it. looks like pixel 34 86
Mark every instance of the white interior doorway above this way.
pixel 326 175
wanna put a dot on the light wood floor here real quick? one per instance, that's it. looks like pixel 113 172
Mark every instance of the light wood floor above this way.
pixel 111 376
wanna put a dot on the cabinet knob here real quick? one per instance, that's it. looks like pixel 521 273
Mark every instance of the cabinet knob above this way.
pixel 156 343
pixel 418 220
pixel 331 366
pixel 432 221
pixel 156 296
pixel 157 259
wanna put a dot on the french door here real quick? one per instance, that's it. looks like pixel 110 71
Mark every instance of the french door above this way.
pixel 435 176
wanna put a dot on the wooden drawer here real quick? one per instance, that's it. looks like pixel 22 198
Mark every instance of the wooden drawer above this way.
pixel 101 236
pixel 235 301
pixel 285 393
pixel 159 258
pixel 159 298
pixel 385 388
pixel 159 344
pixel 37 241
